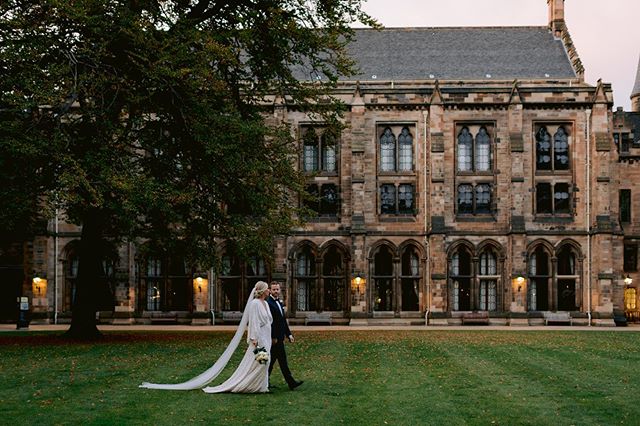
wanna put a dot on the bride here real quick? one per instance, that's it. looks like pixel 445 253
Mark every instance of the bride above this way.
pixel 252 375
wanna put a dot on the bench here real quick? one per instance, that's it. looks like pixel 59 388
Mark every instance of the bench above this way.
pixel 318 318
pixel 231 316
pixel 163 318
pixel 481 317
pixel 557 317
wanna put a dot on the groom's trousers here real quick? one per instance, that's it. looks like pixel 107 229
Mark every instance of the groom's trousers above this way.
pixel 278 354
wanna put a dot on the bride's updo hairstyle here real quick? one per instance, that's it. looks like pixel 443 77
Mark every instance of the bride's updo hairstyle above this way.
pixel 260 288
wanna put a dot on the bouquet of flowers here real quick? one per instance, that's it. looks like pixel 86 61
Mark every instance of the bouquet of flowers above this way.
pixel 262 356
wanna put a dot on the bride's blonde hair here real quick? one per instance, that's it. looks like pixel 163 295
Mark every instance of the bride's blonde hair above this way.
pixel 260 288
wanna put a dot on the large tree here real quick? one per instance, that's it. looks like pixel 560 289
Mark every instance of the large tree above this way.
pixel 147 119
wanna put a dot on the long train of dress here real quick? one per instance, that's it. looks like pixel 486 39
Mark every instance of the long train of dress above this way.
pixel 250 376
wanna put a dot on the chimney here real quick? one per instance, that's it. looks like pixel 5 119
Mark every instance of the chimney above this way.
pixel 556 17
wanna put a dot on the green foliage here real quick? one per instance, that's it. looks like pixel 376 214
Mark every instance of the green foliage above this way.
pixel 371 377
pixel 152 116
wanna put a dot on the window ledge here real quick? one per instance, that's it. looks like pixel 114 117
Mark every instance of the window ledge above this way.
pixel 479 173
pixel 475 218
pixel 323 219
pixel 553 219
pixel 403 173
pixel 397 218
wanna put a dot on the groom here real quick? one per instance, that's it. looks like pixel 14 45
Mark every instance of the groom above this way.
pixel 280 330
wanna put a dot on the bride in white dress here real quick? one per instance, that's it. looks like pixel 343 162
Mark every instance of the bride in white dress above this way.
pixel 252 375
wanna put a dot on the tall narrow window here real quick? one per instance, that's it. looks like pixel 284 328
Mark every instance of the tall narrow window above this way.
pixel 483 150
pixel 465 199
pixel 383 277
pixel 543 149
pixel 333 280
pixel 405 199
pixel 71 280
pixel 539 275
pixel 630 257
pixel 561 150
pixel 310 151
pixel 561 198
pixel 329 150
pixel 483 199
pixel 306 280
pixel 465 150
pixel 410 279
pixel 488 300
pixel 387 151
pixel 155 285
pixel 566 279
pixel 405 143
pixel 231 277
pixel 388 199
pixel 461 276
pixel 625 205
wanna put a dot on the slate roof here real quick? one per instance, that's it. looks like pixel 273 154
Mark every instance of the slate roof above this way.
pixel 636 87
pixel 459 53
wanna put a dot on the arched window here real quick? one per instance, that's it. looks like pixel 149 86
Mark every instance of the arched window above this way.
pixel 410 279
pixel 405 143
pixel 465 150
pixel 237 278
pixel 561 149
pixel 387 151
pixel 329 152
pixel 310 150
pixel 256 270
pixel 461 275
pixel 566 279
pixel 539 275
pixel 154 281
pixel 383 278
pixel 70 279
pixel 543 149
pixel 305 280
pixel 488 279
pixel 333 280
pixel 483 150
pixel 231 278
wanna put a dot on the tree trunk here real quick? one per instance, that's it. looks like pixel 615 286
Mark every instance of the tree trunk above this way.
pixel 83 319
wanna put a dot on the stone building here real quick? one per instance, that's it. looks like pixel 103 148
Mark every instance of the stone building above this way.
pixel 477 173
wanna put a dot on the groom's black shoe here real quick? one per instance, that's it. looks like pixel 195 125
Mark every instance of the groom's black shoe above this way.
pixel 295 384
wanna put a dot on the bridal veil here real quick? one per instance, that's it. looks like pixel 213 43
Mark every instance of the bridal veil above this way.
pixel 209 375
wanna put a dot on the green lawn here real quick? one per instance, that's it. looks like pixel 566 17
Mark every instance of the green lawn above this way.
pixel 351 377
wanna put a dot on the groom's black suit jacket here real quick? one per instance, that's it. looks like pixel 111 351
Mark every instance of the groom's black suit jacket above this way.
pixel 279 327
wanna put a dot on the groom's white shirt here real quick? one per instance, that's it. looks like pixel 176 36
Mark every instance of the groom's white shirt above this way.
pixel 278 304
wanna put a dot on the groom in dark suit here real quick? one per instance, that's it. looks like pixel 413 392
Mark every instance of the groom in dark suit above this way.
pixel 280 330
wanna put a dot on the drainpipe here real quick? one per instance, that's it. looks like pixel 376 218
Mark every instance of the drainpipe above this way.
pixel 55 269
pixel 588 215
pixel 426 191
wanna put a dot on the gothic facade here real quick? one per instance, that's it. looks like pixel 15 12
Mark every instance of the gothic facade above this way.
pixel 477 172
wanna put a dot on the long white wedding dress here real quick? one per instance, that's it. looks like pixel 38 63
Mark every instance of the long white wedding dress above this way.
pixel 250 376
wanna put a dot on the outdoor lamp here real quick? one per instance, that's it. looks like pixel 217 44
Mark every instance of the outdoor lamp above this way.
pixel 628 280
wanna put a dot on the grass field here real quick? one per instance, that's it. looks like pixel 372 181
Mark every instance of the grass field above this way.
pixel 473 377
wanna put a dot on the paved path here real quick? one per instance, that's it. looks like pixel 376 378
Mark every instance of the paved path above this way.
pixel 302 328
